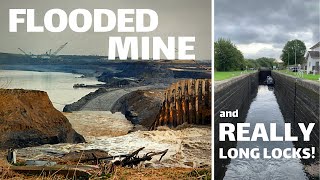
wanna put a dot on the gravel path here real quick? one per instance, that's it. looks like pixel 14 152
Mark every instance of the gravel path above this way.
pixel 106 101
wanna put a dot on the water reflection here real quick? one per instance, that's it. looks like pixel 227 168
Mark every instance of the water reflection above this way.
pixel 270 88
pixel 265 109
pixel 59 86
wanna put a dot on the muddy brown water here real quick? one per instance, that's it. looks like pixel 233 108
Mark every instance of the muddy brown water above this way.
pixel 187 147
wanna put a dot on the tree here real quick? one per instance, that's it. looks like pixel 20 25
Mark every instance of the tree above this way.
pixel 227 57
pixel 293 49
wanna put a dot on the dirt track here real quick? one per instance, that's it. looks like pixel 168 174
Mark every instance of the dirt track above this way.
pixel 106 101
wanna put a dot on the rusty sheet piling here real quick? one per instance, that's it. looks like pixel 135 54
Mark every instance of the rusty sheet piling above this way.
pixel 187 101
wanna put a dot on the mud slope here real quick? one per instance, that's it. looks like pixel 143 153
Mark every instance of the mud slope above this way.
pixel 28 118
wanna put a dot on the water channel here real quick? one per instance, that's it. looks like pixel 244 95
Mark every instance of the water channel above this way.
pixel 265 109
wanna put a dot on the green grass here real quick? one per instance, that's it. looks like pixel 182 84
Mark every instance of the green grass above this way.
pixel 222 75
pixel 305 76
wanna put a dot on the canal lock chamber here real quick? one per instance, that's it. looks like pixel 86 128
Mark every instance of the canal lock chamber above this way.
pixel 286 102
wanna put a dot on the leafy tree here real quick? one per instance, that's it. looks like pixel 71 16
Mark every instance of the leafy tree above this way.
pixel 227 57
pixel 291 49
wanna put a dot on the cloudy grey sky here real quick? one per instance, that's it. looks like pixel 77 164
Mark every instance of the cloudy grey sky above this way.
pixel 262 27
pixel 176 18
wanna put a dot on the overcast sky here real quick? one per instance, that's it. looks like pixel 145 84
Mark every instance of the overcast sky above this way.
pixel 176 18
pixel 262 27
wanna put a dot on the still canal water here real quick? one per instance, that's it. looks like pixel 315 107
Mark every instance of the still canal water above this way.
pixel 265 109
pixel 59 86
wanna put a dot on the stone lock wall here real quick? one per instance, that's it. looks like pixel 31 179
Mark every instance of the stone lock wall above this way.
pixel 299 103
pixel 235 93
pixel 229 95
pixel 187 101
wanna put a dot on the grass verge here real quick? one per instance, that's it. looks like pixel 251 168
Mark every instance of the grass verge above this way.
pixel 222 75
pixel 305 76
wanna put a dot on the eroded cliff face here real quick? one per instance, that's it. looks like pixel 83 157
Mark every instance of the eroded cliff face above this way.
pixel 187 101
pixel 28 118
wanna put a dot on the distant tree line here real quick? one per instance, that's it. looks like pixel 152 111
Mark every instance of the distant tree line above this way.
pixel 260 62
pixel 228 58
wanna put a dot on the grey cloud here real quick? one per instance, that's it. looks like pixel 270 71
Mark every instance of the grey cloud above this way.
pixel 272 53
pixel 272 22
